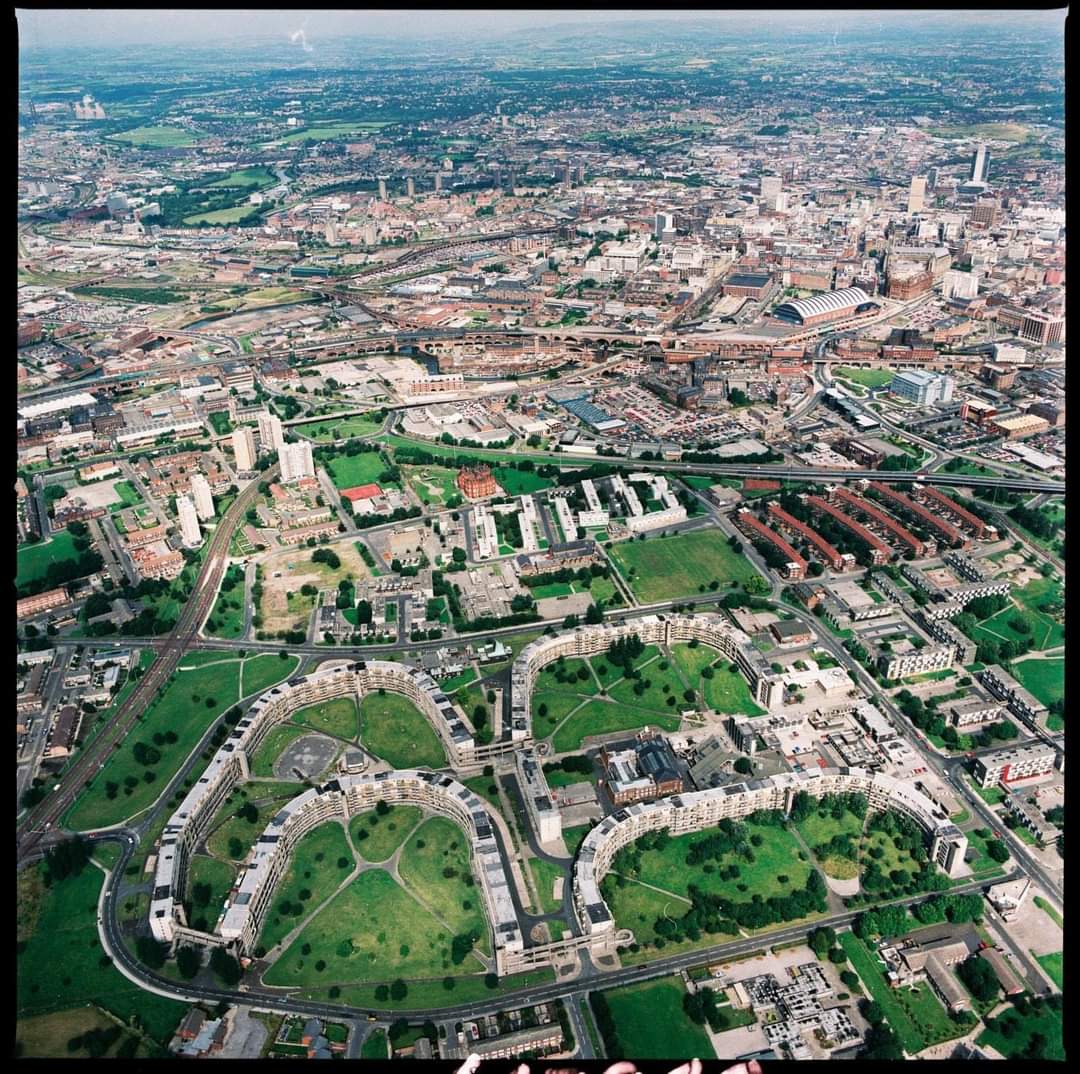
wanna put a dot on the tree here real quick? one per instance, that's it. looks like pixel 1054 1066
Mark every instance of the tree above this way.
pixel 188 961
pixel 979 977
pixel 151 952
pixel 399 990
pixel 225 966
pixel 594 615
pixel 744 766
pixel 997 850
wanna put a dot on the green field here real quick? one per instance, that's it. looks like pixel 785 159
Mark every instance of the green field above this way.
pixel 574 837
pixel 33 560
pixel 1054 964
pixel 652 1024
pixel 868 378
pixel 435 868
pixel 373 930
pixel 348 471
pixel 314 869
pixel 155 137
pixel 46 1036
pixel 668 567
pixel 190 703
pixel 220 216
pixel 260 672
pixel 393 728
pixel 327 429
pixel 269 750
pixel 604 717
pixel 129 495
pixel 227 616
pixel 385 833
pixel 245 179
pixel 819 828
pixel 728 691
pixel 520 482
pixel 59 956
pixel 337 717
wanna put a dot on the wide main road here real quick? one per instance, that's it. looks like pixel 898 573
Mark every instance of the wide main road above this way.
pixel 35 824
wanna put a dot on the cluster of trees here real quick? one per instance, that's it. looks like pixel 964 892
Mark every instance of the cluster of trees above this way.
pixel 924 716
pixel 881 1041
pixel 1037 522
pixel 583 575
pixel 605 1023
pixel 97 1042
pixel 575 763
pixel 66 859
pixel 1013 1024
pixel 624 651
pixel 979 977
pixel 701 1007
pixel 955 908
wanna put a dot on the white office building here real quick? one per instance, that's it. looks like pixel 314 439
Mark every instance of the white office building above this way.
pixel 296 462
pixel 271 436
pixel 244 448
pixel 204 501
pixel 925 389
pixel 189 522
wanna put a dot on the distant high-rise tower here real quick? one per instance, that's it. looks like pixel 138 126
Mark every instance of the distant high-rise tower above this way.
pixel 296 461
pixel 931 179
pixel 271 437
pixel 204 501
pixel 980 165
pixel 189 522
pixel 771 185
pixel 382 190
pixel 917 194
pixel 410 187
pixel 370 235
pixel 438 182
pixel 244 448
pixel 664 222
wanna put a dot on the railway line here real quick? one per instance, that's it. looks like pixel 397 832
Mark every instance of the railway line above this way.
pixel 35 825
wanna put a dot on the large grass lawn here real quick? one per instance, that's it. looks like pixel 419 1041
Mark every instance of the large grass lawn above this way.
pixel 33 560
pixel 727 691
pixel 777 856
pixel 327 429
pixel 1044 678
pixel 232 836
pixel 187 707
pixel 385 833
pixel 868 378
pixel 603 717
pixel 520 482
pixel 315 870
pixel 819 828
pixel 59 956
pixel 155 137
pixel 372 931
pixel 244 178
pixel 393 728
pixel 227 618
pixel 436 848
pixel 433 484
pixel 348 471
pixel 638 908
pixel 337 717
pixel 668 567
pixel 574 837
pixel 46 1036
pixel 652 1024
pixel 263 671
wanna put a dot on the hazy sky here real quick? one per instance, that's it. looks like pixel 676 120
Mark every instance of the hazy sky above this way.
pixel 103 26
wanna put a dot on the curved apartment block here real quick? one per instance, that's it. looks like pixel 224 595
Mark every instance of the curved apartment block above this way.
pixel 188 825
pixel 684 813
pixel 712 630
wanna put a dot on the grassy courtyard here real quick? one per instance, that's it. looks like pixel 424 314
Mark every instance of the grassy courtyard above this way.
pixel 393 728
pixel 349 471
pixel 337 717
pixel 320 861
pixel 668 567
pixel 33 560
pixel 384 833
pixel 1044 678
